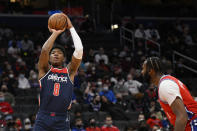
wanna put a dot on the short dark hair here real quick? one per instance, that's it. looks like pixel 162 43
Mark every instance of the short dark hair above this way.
pixel 155 64
pixel 58 47
pixel 107 116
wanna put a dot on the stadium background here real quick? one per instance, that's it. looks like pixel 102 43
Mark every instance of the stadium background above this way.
pixel 117 36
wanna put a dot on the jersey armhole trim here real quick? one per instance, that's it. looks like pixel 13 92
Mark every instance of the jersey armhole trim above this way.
pixel 45 74
pixel 69 76
pixel 163 101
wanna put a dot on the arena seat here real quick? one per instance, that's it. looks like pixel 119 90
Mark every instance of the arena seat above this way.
pixel 120 124
pixel 132 115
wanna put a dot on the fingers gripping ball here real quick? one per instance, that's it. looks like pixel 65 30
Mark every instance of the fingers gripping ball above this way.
pixel 57 21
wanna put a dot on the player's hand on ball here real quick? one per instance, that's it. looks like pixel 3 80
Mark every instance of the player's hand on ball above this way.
pixel 69 23
pixel 56 31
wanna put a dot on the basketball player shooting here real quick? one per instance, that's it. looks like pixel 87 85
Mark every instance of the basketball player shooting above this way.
pixel 174 97
pixel 56 82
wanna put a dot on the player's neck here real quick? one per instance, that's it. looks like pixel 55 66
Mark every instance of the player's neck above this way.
pixel 157 79
pixel 59 67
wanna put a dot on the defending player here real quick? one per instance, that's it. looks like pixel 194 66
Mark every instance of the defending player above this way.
pixel 174 97
pixel 56 82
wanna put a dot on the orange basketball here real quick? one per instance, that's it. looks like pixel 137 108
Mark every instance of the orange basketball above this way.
pixel 57 21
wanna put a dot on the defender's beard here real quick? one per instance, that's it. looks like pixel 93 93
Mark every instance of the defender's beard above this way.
pixel 147 78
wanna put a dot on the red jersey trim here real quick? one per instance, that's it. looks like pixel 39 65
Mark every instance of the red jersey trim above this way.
pixel 40 84
pixel 56 70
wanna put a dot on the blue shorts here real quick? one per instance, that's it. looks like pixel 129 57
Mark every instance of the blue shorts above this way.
pixel 52 122
pixel 193 125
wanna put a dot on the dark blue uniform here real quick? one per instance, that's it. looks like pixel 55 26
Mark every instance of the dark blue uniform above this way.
pixel 55 98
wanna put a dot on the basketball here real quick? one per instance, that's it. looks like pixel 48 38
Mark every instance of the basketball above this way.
pixel 57 21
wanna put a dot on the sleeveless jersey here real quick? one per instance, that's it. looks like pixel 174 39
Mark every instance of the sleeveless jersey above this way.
pixel 56 91
pixel 188 101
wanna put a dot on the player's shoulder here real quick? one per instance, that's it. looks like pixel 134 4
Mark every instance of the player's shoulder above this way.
pixel 167 83
pixel 167 80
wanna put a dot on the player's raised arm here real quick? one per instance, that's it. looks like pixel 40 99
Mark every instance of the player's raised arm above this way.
pixel 43 65
pixel 78 53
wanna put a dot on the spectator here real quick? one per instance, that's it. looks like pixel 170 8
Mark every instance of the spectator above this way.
pixel 154 107
pixel 18 124
pixel 8 96
pixel 27 125
pixel 33 79
pixel 122 103
pixel 156 128
pixel 165 123
pixel 139 51
pixel 15 41
pixel 188 38
pixel 95 105
pixel 12 82
pixel 141 117
pixel 108 93
pixel 8 32
pixel 115 111
pixel 23 82
pixel 80 78
pixel 102 69
pixel 92 125
pixel 124 52
pixel 32 119
pixel 78 125
pixel 90 92
pixel 5 107
pixel 10 124
pixel 140 32
pixel 27 44
pixel 133 86
pixel 152 33
pixel 143 126
pixel 20 66
pixel 3 56
pixel 152 121
pixel 77 114
pixel 13 49
pixel 101 56
pixel 108 125
pixel 118 87
pixel 150 94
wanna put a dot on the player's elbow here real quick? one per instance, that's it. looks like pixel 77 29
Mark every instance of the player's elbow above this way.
pixel 78 53
pixel 44 50
pixel 80 48
pixel 182 118
pixel 185 119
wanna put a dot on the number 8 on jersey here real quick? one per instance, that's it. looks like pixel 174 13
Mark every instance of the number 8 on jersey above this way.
pixel 56 89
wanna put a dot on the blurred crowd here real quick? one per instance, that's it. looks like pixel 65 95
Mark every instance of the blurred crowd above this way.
pixel 177 35
pixel 108 81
